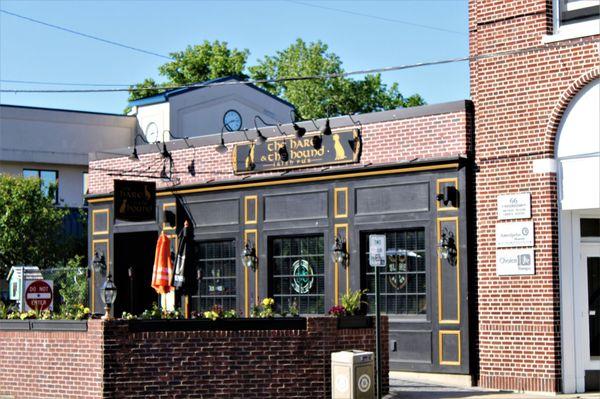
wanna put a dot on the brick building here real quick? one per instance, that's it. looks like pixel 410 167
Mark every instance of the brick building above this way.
pixel 491 212
pixel 537 131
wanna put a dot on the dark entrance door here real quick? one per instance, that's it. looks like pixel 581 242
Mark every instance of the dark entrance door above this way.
pixel 134 251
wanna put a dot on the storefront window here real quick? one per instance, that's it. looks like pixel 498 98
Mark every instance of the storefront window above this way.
pixel 403 282
pixel 298 273
pixel 216 260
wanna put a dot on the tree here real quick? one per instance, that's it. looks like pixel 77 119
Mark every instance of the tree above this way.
pixel 313 98
pixel 30 225
pixel 195 64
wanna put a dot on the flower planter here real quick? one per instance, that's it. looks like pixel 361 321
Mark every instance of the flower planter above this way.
pixel 43 325
pixel 14 325
pixel 238 324
pixel 59 325
pixel 357 321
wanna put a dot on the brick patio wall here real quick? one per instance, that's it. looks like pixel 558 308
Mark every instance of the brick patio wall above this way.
pixel 52 364
pixel 519 100
pixel 111 361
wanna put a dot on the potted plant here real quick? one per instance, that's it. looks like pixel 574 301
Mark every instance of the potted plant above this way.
pixel 351 313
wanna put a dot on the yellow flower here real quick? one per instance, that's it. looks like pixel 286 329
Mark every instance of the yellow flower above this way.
pixel 86 310
pixel 209 314
pixel 268 302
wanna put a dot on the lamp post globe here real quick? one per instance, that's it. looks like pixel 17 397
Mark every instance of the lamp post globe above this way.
pixel 109 295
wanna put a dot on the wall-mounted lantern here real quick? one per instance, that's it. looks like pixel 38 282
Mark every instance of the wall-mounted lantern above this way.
pixel 449 195
pixel 99 262
pixel 339 254
pixel 249 258
pixel 109 294
pixel 447 247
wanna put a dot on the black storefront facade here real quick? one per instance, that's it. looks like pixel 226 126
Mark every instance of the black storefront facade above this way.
pixel 292 220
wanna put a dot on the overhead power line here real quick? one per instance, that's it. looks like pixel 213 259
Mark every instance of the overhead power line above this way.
pixel 479 57
pixel 377 17
pixel 37 82
pixel 112 42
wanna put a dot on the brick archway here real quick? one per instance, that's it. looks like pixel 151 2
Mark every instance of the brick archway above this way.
pixel 562 104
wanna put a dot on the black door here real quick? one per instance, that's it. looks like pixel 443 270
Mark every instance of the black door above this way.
pixel 134 259
pixel 593 266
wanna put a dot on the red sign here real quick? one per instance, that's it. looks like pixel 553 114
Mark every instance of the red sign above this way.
pixel 38 295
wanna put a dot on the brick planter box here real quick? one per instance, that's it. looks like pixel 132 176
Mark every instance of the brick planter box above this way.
pixel 43 325
pixel 116 359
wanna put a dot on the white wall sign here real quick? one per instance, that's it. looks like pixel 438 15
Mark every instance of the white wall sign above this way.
pixel 377 250
pixel 511 262
pixel 514 234
pixel 514 206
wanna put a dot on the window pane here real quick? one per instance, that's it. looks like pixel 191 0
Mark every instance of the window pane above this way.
pixel 403 282
pixel 216 259
pixel 31 173
pixel 50 183
pixel 298 273
pixel 85 183
pixel 590 227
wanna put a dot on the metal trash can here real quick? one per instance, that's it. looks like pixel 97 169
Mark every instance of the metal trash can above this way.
pixel 352 375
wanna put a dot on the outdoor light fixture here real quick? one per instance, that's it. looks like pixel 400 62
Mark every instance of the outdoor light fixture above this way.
pixel 448 195
pixel 222 148
pixel 192 168
pixel 134 153
pixel 165 153
pixel 447 247
pixel 109 294
pixel 317 142
pixel 326 129
pixel 338 252
pixel 283 153
pixel 98 263
pixel 260 139
pixel 249 258
pixel 298 130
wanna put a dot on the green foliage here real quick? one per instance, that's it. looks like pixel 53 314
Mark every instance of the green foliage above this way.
pixel 312 98
pixel 352 301
pixel 195 64
pixel 155 313
pixel 30 225
pixel 72 283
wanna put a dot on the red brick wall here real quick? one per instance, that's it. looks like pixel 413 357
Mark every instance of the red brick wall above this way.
pixel 52 364
pixel 434 136
pixel 110 361
pixel 230 364
pixel 514 97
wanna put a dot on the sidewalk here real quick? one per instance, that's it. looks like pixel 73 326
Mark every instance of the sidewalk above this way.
pixel 405 389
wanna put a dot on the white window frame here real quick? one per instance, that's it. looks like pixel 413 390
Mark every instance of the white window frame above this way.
pixel 571 30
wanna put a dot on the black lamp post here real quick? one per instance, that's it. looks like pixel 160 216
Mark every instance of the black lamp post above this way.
pixel 109 294
pixel 222 148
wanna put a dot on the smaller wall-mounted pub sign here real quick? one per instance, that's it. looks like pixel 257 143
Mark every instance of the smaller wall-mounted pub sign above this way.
pixel 293 153
pixel 135 201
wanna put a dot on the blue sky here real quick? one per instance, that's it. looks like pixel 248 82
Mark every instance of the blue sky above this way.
pixel 32 52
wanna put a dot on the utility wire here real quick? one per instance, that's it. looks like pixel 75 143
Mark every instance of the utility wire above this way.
pixel 37 21
pixel 526 50
pixel 377 17
pixel 36 82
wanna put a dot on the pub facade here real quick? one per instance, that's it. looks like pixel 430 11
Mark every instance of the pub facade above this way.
pixel 290 196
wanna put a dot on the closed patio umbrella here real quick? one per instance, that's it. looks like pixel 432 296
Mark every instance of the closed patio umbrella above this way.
pixel 162 273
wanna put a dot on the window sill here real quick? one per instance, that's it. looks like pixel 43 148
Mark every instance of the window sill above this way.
pixel 573 31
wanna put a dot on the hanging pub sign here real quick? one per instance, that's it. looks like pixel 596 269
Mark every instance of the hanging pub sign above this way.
pixel 292 153
pixel 135 201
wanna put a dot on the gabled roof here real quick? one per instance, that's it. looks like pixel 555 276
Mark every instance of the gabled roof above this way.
pixel 163 97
